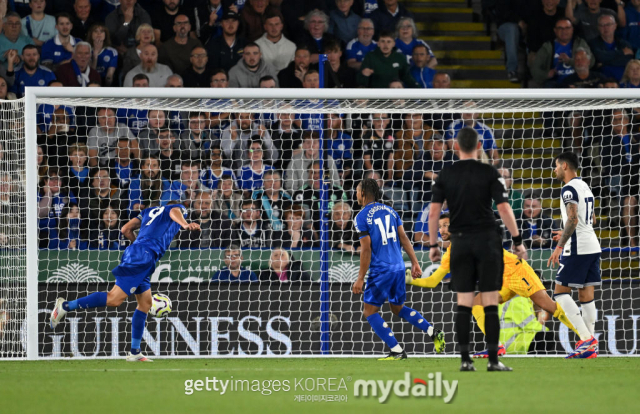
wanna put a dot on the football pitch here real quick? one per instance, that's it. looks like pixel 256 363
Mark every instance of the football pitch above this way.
pixel 537 385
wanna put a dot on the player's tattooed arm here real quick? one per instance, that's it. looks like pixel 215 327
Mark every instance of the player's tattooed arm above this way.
pixel 570 225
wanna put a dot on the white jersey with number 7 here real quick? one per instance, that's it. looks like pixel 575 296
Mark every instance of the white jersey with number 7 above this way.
pixel 584 239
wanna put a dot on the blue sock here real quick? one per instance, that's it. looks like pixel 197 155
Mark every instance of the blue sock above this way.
pixel 381 329
pixel 137 329
pixel 94 300
pixel 415 319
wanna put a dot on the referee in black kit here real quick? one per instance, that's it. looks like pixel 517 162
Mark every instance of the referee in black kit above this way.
pixel 476 255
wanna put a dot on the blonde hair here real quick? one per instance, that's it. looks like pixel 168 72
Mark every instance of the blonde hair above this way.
pixel 142 27
pixel 627 69
pixel 341 204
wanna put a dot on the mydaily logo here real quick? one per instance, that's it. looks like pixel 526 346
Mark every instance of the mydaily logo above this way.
pixel 432 387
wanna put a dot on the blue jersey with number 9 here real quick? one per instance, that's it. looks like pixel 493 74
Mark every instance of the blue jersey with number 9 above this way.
pixel 157 229
pixel 380 222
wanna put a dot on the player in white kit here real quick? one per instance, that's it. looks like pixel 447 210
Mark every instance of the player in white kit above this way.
pixel 578 254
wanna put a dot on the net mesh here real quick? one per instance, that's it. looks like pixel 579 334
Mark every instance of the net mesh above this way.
pixel 249 173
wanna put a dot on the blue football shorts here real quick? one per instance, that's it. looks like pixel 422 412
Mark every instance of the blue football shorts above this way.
pixel 133 274
pixel 389 286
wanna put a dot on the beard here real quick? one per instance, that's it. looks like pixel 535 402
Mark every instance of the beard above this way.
pixel 30 67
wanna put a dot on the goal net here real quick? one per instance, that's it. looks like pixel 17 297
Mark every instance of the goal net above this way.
pixel 270 176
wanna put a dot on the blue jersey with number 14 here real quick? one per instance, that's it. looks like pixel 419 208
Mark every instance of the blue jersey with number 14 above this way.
pixel 157 229
pixel 380 222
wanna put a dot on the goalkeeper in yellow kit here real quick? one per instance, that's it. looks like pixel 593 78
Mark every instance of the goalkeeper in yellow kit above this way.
pixel 518 279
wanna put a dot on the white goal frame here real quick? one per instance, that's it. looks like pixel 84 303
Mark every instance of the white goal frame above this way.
pixel 32 94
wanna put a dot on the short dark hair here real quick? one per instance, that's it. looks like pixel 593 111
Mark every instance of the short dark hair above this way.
pixel 419 45
pixel 140 76
pixel 445 216
pixel 267 78
pixel 386 33
pixel 271 15
pixel 252 44
pixel 63 14
pixel 570 158
pixel 467 140
pixel 218 71
pixel 303 46
pixel 255 139
pixel 27 47
pixel 332 46
pixel 370 188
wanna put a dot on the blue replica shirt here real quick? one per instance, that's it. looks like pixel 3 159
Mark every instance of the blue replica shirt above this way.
pixel 123 174
pixel 612 71
pixel 210 180
pixel 562 70
pixel 340 149
pixel 45 114
pixel 108 58
pixel 310 122
pixel 370 6
pixel 135 119
pixel 81 175
pixel 224 275
pixel 135 193
pixel 631 32
pixel 485 135
pixel 53 51
pixel 251 180
pixel 157 229
pixel 41 77
pixel 380 222
pixel 407 48
pixel 423 76
pixel 357 51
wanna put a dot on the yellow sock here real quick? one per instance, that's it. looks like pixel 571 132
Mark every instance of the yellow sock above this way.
pixel 478 313
pixel 560 315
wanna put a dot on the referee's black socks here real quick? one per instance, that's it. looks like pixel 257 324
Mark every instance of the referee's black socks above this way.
pixel 492 328
pixel 463 328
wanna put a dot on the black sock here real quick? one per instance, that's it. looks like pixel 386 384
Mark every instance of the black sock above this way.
pixel 492 328
pixel 463 326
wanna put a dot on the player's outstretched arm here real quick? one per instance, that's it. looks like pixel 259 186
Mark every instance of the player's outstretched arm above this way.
pixel 176 215
pixel 431 281
pixel 509 220
pixel 416 271
pixel 127 229
pixel 365 261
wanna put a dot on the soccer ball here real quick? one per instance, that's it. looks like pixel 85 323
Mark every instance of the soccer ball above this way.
pixel 160 306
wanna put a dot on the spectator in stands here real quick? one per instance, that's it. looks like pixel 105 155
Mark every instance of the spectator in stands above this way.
pixel 295 235
pixel 108 236
pixel 219 79
pixel 104 58
pixel 59 48
pixel 59 133
pixel 275 201
pixel 344 21
pixel 247 72
pixel 157 73
pixel 338 74
pixel 316 36
pixel 175 81
pixel 507 16
pixel 226 50
pixel 207 16
pixel 102 138
pixel 554 61
pixel 12 39
pixel 52 199
pixel 585 16
pixel 169 157
pixel 197 75
pixel 612 52
pixel 339 146
pixel 383 65
pixel 124 166
pixel 301 162
pixel 39 26
pixel 535 226
pixel 176 51
pixel 212 175
pixel 250 176
pixel 144 37
pixel 286 137
pixel 123 24
pixel 295 11
pixel 233 270
pixel 253 17
pixel 187 187
pixel 236 138
pixel 631 31
pixel 377 145
pixel 539 23
pixel 516 198
pixel 358 47
pixel 5 95
pixel 79 72
pixel 426 170
pixel 277 50
pixel 215 231
pixel 70 235
pixel 630 78
pixel 99 197
pixel 583 77
pixel 485 134
pixel 441 80
pixel 408 147
pixel 407 40
pixel 11 211
pixel 387 15
pixel 282 268
pixel 421 70
pixel 164 20
pixel 82 19
pixel 149 187
pixel 77 171
pixel 227 199
pixel 616 150
pixel 30 74
pixel 292 75
pixel 148 137
pixel 610 83
pixel 343 235
pixel 195 141
pixel 251 231
pixel 309 194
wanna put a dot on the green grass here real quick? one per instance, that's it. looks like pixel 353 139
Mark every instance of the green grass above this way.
pixel 537 385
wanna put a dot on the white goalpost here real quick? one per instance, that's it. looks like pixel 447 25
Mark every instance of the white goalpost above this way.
pixel 55 239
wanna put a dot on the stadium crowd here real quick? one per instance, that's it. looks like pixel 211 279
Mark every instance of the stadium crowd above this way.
pixel 253 180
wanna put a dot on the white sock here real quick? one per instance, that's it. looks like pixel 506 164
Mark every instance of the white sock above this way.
pixel 589 313
pixel 573 314
pixel 396 349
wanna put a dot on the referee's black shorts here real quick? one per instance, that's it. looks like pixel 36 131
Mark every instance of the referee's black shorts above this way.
pixel 476 259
